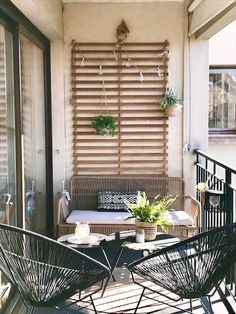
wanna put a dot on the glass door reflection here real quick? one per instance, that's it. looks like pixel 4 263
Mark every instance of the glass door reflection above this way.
pixel 33 127
pixel 7 131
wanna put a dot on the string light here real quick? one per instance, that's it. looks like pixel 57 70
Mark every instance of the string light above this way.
pixel 115 55
pixel 141 78
pixel 159 71
pixel 164 53
pixel 100 70
pixel 128 63
pixel 82 62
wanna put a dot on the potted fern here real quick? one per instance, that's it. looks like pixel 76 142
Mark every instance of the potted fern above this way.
pixel 170 103
pixel 150 214
pixel 104 125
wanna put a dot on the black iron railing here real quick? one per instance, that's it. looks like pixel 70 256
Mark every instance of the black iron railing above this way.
pixel 221 178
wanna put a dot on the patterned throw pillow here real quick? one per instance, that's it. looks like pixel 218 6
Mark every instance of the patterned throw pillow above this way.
pixel 114 201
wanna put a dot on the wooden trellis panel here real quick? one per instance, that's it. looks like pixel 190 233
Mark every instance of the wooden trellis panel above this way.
pixel 134 77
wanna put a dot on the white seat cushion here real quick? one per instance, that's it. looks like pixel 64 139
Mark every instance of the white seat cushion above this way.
pixel 95 217
pixel 180 218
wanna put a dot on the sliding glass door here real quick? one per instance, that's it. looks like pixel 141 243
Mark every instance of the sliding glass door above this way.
pixel 33 134
pixel 25 132
pixel 8 197
pixel 8 207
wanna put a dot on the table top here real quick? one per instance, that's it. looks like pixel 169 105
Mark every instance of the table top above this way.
pixel 127 239
pixel 72 241
pixel 154 245
pixel 162 240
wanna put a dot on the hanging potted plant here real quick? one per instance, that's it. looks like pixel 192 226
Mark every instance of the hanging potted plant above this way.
pixel 104 125
pixel 170 103
pixel 150 214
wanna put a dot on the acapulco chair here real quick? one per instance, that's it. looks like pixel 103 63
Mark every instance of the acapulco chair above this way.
pixel 190 269
pixel 45 272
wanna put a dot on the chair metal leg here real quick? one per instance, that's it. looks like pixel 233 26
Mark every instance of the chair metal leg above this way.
pixel 112 269
pixel 191 305
pixel 95 311
pixel 210 306
pixel 107 260
pixel 139 301
pixel 29 310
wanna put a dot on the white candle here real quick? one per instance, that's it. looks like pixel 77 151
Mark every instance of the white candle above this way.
pixel 139 235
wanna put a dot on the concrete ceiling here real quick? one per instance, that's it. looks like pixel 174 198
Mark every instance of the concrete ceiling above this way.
pixel 120 1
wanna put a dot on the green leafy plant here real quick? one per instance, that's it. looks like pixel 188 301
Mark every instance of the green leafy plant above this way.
pixel 104 125
pixel 170 99
pixel 152 212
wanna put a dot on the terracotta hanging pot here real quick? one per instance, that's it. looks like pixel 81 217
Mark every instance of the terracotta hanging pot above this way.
pixel 171 111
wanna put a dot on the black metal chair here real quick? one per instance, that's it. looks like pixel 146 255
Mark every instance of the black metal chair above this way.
pixel 191 269
pixel 45 272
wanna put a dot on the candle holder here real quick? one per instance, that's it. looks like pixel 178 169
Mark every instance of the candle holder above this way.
pixel 215 200
pixel 82 230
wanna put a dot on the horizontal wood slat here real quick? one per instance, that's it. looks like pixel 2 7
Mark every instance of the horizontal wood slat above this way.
pixel 127 82
pixel 114 44
pixel 114 74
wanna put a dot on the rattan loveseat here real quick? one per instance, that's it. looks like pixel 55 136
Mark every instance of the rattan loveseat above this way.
pixel 84 189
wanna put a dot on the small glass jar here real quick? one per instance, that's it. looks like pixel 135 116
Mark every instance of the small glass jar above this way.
pixel 82 230
pixel 139 235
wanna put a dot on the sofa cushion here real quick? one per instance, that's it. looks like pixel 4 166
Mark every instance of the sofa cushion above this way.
pixel 114 201
pixel 179 218
pixel 94 217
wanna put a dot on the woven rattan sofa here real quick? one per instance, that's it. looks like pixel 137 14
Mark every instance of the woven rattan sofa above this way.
pixel 84 189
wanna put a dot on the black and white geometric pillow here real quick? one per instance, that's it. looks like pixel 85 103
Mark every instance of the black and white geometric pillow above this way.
pixel 114 201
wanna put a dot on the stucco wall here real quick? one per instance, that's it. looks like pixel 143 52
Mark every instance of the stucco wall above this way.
pixel 45 15
pixel 222 46
pixel 225 152
pixel 147 22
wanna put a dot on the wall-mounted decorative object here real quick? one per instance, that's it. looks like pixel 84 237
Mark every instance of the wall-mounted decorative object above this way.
pixel 122 31
pixel 215 200
pixel 170 104
pixel 130 78
pixel 104 125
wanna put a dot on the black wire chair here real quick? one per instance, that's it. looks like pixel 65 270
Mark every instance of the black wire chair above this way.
pixel 191 269
pixel 45 272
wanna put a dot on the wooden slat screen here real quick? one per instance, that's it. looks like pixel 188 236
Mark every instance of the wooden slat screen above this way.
pixel 131 79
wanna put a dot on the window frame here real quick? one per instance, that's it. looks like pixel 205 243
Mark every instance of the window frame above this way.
pixel 221 132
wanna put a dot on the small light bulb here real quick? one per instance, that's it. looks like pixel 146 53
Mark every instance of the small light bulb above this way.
pixel 115 55
pixel 82 62
pixel 159 71
pixel 128 63
pixel 100 70
pixel 164 53
pixel 141 76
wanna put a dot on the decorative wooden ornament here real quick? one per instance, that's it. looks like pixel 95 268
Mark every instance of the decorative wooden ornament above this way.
pixel 122 31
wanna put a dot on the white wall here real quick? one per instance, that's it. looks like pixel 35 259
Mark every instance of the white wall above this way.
pixel 222 46
pixel 196 107
pixel 147 22
pixel 46 15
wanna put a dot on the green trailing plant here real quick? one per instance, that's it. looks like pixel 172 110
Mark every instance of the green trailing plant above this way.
pixel 152 212
pixel 170 99
pixel 104 125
